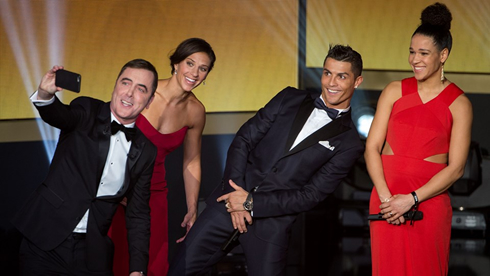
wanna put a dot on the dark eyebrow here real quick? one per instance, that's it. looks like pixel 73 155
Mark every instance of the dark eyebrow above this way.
pixel 204 65
pixel 422 49
pixel 139 84
pixel 144 86
pixel 338 74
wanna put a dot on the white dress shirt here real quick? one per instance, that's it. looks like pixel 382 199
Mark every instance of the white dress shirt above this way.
pixel 318 119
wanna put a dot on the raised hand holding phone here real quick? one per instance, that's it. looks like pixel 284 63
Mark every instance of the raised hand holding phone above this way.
pixel 47 87
pixel 68 80
pixel 56 80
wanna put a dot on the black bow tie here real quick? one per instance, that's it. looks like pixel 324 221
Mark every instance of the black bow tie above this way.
pixel 129 132
pixel 332 113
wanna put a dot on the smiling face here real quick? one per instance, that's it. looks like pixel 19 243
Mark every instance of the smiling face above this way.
pixel 424 58
pixel 132 93
pixel 338 83
pixel 193 70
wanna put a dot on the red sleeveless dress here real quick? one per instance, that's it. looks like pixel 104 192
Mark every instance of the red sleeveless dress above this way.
pixel 415 131
pixel 158 264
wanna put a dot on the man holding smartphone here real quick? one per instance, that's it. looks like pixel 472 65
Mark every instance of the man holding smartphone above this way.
pixel 101 157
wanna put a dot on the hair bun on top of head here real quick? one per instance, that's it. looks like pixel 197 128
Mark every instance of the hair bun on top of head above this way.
pixel 437 15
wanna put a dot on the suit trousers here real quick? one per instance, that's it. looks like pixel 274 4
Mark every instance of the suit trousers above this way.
pixel 69 258
pixel 201 249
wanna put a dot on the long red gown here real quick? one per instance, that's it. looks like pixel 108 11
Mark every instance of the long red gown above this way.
pixel 415 131
pixel 158 263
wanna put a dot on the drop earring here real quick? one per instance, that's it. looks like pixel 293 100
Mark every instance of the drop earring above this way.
pixel 204 82
pixel 442 74
pixel 175 72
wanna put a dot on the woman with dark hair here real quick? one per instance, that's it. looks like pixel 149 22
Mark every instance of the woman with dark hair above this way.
pixel 175 116
pixel 416 149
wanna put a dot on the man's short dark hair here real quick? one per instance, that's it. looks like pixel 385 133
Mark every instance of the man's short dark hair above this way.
pixel 142 64
pixel 346 54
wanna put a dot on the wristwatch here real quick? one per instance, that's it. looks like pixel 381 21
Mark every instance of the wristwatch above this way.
pixel 249 203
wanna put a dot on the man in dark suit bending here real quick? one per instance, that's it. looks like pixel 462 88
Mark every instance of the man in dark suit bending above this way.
pixel 101 157
pixel 285 160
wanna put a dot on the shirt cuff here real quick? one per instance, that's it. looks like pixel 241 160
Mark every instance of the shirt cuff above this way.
pixel 37 102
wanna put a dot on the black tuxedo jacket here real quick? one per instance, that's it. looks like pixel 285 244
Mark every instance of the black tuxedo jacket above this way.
pixel 289 181
pixel 57 205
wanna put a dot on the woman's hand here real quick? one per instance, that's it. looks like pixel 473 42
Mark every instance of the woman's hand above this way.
pixel 188 222
pixel 395 207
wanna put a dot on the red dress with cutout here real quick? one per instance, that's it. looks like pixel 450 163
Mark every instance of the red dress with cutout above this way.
pixel 416 130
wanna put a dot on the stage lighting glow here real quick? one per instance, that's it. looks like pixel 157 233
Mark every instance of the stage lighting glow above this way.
pixel 22 38
pixel 362 106
pixel 363 124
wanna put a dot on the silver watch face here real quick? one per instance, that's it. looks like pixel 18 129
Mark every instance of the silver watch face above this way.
pixel 247 205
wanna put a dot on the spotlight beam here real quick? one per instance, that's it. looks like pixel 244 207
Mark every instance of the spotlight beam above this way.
pixel 22 39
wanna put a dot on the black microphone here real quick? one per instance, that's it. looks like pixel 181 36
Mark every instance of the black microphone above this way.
pixel 233 237
pixel 410 215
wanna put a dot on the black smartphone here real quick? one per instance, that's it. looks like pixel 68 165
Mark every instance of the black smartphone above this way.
pixel 68 80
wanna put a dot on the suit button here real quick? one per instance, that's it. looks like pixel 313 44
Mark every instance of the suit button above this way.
pixel 274 170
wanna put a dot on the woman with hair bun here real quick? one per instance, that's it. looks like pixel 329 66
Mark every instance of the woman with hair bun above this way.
pixel 174 117
pixel 416 149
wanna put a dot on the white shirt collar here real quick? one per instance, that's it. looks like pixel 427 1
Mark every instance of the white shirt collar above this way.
pixel 113 118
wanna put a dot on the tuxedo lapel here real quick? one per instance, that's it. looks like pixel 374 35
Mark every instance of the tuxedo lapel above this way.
pixel 328 131
pixel 135 151
pixel 299 121
pixel 104 136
